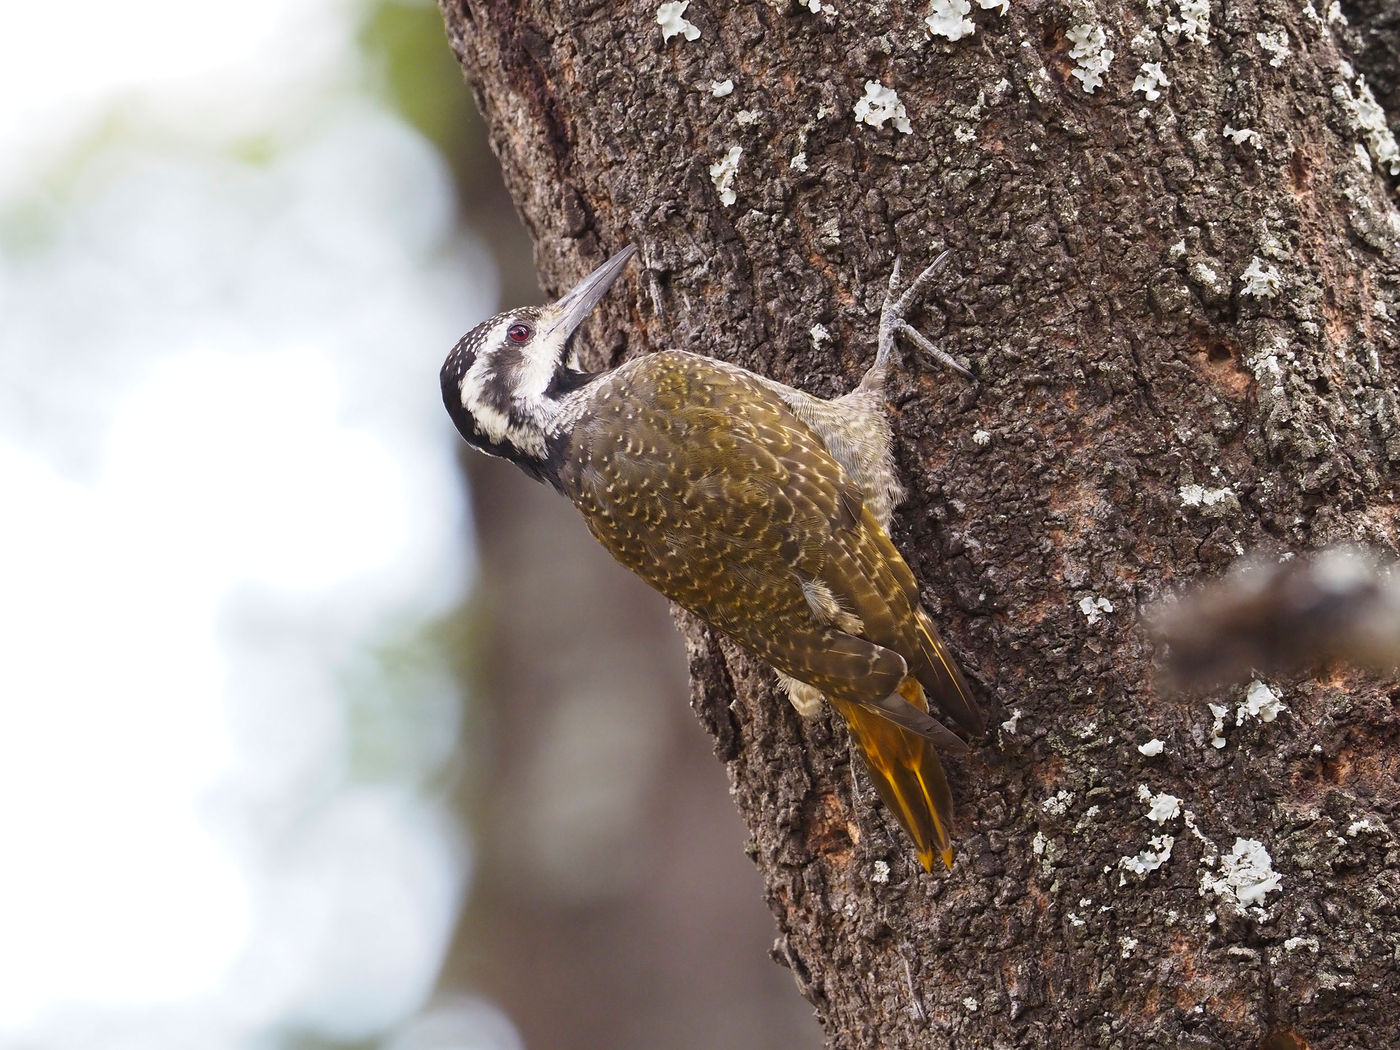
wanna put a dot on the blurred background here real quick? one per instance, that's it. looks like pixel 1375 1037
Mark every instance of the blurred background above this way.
pixel 314 732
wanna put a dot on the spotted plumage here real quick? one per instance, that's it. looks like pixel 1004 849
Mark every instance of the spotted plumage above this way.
pixel 759 508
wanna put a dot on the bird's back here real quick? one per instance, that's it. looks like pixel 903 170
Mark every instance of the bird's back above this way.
pixel 701 480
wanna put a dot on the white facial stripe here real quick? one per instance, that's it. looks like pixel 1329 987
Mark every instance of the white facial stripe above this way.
pixel 491 420
pixel 525 372
pixel 541 360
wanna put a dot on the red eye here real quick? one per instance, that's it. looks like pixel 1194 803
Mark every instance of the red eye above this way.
pixel 518 333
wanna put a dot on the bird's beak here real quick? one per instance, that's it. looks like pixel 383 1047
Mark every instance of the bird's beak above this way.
pixel 568 313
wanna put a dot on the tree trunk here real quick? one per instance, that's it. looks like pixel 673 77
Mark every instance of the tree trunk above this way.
pixel 1371 34
pixel 1178 291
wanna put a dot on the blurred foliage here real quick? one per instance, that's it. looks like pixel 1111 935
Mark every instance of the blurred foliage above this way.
pixel 417 75
pixel 420 79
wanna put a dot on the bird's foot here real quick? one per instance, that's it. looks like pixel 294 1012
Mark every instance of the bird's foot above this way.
pixel 893 324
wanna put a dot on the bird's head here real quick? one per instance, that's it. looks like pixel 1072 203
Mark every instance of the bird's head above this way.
pixel 504 381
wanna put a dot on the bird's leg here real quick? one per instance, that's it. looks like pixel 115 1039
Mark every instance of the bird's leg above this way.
pixel 893 324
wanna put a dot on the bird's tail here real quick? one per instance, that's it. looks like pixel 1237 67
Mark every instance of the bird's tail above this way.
pixel 907 773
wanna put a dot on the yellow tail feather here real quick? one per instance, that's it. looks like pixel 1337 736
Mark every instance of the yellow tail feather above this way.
pixel 907 773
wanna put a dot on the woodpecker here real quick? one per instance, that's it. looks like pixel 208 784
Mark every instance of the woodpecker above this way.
pixel 761 509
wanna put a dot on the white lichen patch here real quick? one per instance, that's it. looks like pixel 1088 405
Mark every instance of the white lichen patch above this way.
pixel 1151 80
pixel 1260 281
pixel 1091 56
pixel 881 104
pixel 1368 119
pixel 671 18
pixel 1292 944
pixel 1260 702
pixel 1205 275
pixel 971 1005
pixel 1270 245
pixel 1191 21
pixel 948 18
pixel 720 88
pixel 1013 723
pixel 981 437
pixel 745 117
pixel 1058 803
pixel 1163 807
pixel 1126 945
pixel 1244 136
pixel 1217 728
pixel 1194 495
pixel 1160 807
pixel 1266 364
pixel 799 161
pixel 1157 853
pixel 880 872
pixel 1246 876
pixel 722 174
pixel 820 336
pixel 1093 607
pixel 1075 920
pixel 1152 748
pixel 1276 44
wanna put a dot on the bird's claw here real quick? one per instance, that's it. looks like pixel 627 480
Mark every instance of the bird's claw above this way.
pixel 893 323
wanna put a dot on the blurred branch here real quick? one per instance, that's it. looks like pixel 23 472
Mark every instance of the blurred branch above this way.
pixel 1263 616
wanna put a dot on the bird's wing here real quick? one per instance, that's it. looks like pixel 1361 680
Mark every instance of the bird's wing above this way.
pixel 707 486
pixel 712 491
pixel 910 631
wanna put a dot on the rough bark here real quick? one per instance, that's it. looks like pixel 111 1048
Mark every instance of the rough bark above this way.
pixel 1372 36
pixel 1146 412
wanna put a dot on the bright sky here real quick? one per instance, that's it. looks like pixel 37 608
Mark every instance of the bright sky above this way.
pixel 229 486
pixel 208 71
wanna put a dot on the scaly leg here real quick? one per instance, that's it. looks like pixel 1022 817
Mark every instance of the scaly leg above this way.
pixel 855 427
pixel 893 324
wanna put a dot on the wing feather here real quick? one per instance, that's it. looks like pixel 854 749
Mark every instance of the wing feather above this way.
pixel 704 483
